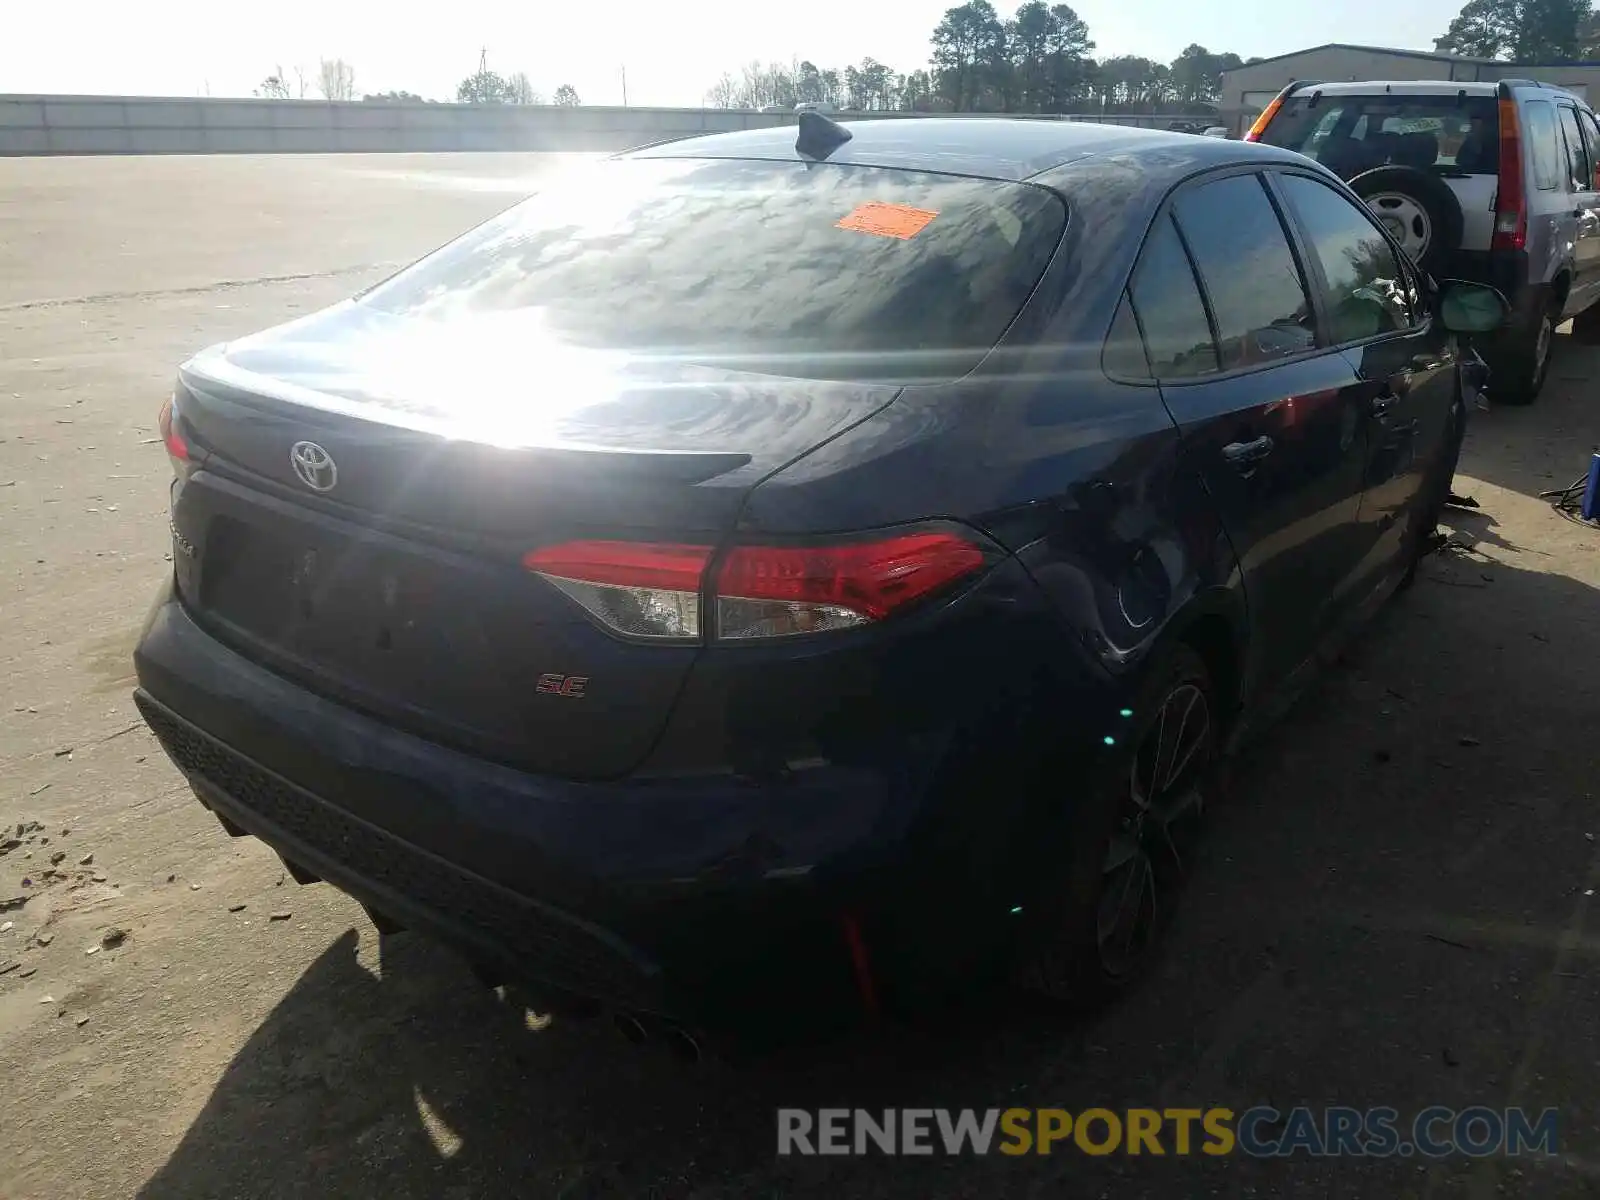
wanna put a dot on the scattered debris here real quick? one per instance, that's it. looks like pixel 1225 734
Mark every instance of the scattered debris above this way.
pixel 113 937
pixel 1468 741
pixel 194 887
pixel 64 751
pixel 1455 501
pixel 1539 637
pixel 82 1021
pixel 235 908
pixel 86 861
pixel 8 927
pixel 57 858
pixel 43 938
pixel 26 972
pixel 13 903
pixel 98 877
pixel 92 950
pixel 1444 941
pixel 47 999
pixel 39 789
pixel 9 966
pixel 280 916
pixel 1450 1060
pixel 172 879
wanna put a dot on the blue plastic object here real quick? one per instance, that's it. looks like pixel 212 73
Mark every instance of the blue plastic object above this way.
pixel 1591 490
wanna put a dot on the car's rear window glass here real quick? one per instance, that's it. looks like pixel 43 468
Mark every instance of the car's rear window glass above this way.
pixel 1248 271
pixel 1177 333
pixel 1351 134
pixel 810 269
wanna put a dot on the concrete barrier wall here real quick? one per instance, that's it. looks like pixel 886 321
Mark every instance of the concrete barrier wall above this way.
pixel 159 125
pixel 153 125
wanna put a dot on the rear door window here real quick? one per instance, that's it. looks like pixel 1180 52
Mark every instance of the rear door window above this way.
pixel 811 269
pixel 1177 333
pixel 1579 176
pixel 1351 134
pixel 1591 141
pixel 1248 272
pixel 1544 143
pixel 1364 289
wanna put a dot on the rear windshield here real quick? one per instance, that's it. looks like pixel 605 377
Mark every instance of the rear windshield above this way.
pixel 1451 135
pixel 818 270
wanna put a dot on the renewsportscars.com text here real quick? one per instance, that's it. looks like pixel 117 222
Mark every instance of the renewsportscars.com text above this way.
pixel 1259 1132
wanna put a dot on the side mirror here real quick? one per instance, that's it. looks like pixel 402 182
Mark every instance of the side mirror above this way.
pixel 1471 307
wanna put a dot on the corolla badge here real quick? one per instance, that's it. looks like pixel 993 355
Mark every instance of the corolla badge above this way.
pixel 314 466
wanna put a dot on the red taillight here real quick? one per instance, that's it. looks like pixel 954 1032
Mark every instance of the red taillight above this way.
pixel 768 591
pixel 653 591
pixel 177 448
pixel 1511 209
pixel 639 589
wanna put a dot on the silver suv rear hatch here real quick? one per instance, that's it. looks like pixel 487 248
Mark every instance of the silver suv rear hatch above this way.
pixel 1449 134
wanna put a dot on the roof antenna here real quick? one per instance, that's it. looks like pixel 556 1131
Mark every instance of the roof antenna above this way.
pixel 819 137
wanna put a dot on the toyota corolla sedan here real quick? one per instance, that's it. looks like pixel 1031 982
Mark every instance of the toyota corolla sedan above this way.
pixel 823 565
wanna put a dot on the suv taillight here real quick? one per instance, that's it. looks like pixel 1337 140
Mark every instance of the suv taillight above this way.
pixel 1511 208
pixel 647 590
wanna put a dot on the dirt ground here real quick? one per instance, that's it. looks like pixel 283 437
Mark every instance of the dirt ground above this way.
pixel 1396 904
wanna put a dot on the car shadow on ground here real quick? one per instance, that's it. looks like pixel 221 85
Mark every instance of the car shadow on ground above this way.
pixel 1388 910
pixel 1546 446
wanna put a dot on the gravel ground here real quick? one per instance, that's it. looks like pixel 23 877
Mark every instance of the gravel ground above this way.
pixel 1395 905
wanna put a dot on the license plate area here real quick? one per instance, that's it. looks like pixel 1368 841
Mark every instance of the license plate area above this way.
pixel 346 603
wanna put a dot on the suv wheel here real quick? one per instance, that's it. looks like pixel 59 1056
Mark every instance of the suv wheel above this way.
pixel 1518 372
pixel 1419 210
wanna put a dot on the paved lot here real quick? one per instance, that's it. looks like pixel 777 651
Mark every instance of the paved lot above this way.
pixel 1396 904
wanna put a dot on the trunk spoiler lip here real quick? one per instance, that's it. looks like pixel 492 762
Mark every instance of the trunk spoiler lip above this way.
pixel 210 375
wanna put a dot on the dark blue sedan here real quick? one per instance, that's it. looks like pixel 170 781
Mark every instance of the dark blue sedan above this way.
pixel 828 565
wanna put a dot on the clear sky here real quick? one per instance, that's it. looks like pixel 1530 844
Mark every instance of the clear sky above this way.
pixel 672 51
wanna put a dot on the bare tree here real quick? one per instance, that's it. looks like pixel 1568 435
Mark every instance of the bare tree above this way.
pixel 302 84
pixel 519 91
pixel 567 96
pixel 336 79
pixel 724 93
pixel 274 87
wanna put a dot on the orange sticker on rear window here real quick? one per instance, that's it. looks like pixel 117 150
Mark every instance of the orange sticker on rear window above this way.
pixel 888 220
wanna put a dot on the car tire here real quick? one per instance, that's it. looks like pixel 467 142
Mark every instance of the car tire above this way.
pixel 1418 209
pixel 1518 370
pixel 1095 928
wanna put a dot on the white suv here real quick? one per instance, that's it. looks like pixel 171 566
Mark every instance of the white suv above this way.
pixel 1492 182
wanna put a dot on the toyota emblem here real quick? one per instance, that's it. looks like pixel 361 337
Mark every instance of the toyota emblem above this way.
pixel 314 466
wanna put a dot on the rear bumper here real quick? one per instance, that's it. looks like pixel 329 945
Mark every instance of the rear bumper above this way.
pixel 702 898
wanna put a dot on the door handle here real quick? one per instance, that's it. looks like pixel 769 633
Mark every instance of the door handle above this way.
pixel 1247 454
pixel 1384 401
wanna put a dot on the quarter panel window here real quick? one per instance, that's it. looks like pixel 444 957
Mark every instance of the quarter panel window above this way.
pixel 1248 271
pixel 1177 334
pixel 1366 288
pixel 1544 142
pixel 1124 354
